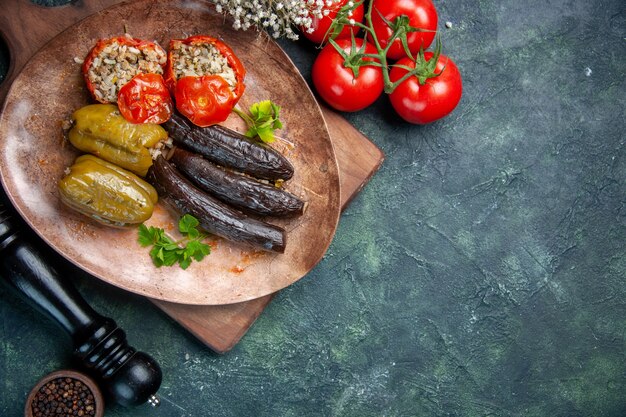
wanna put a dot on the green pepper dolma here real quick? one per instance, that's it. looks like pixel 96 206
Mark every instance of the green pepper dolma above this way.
pixel 101 130
pixel 107 193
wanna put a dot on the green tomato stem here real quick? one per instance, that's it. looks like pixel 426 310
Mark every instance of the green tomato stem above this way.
pixel 353 60
pixel 382 52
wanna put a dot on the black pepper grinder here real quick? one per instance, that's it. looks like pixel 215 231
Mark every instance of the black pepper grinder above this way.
pixel 128 376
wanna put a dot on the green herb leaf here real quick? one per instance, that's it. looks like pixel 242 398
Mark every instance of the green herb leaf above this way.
pixel 156 253
pixel 198 250
pixel 263 120
pixel 170 257
pixel 167 252
pixel 187 223
pixel 184 263
pixel 147 236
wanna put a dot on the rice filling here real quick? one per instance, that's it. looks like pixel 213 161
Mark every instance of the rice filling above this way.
pixel 197 60
pixel 117 64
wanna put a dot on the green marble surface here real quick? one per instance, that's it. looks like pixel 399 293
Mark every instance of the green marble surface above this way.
pixel 482 272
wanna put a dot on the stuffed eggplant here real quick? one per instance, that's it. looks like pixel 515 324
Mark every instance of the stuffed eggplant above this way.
pixel 215 217
pixel 230 149
pixel 235 189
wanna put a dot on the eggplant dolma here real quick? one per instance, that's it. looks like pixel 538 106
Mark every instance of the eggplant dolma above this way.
pixel 230 149
pixel 235 189
pixel 214 216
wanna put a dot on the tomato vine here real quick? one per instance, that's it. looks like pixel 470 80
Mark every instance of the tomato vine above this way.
pixel 400 26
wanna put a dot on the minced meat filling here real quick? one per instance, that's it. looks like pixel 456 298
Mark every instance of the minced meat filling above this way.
pixel 199 60
pixel 118 64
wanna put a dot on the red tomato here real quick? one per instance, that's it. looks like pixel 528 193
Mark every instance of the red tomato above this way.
pixel 145 99
pixel 337 84
pixel 421 13
pixel 436 98
pixel 320 26
pixel 205 100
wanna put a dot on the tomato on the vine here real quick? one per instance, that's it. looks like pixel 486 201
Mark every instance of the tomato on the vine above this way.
pixel 344 85
pixel 421 14
pixel 320 26
pixel 436 97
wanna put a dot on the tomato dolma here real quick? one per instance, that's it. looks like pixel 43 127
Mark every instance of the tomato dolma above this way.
pixel 129 72
pixel 205 77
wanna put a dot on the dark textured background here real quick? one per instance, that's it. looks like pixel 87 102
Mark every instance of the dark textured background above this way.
pixel 482 272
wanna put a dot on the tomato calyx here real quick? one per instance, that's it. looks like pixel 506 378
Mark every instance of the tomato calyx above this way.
pixel 357 57
pixel 400 28
pixel 424 69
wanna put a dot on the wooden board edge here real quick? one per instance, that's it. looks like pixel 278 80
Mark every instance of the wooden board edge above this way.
pixel 230 322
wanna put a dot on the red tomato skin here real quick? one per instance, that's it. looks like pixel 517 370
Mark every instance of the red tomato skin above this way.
pixel 422 14
pixel 337 85
pixel 322 25
pixel 205 100
pixel 145 99
pixel 422 104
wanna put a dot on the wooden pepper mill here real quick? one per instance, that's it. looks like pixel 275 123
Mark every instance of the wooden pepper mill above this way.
pixel 128 376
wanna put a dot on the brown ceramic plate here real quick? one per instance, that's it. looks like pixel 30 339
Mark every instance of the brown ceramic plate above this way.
pixel 33 156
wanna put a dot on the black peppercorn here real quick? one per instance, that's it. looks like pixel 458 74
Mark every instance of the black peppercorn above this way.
pixel 63 397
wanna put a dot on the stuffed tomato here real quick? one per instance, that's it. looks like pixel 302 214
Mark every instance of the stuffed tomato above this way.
pixel 129 72
pixel 205 78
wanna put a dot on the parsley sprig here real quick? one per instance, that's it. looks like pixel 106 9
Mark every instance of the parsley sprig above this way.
pixel 166 251
pixel 262 121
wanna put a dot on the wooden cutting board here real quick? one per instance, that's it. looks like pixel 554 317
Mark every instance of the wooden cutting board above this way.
pixel 26 27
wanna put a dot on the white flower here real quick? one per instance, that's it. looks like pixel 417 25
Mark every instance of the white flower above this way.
pixel 278 17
